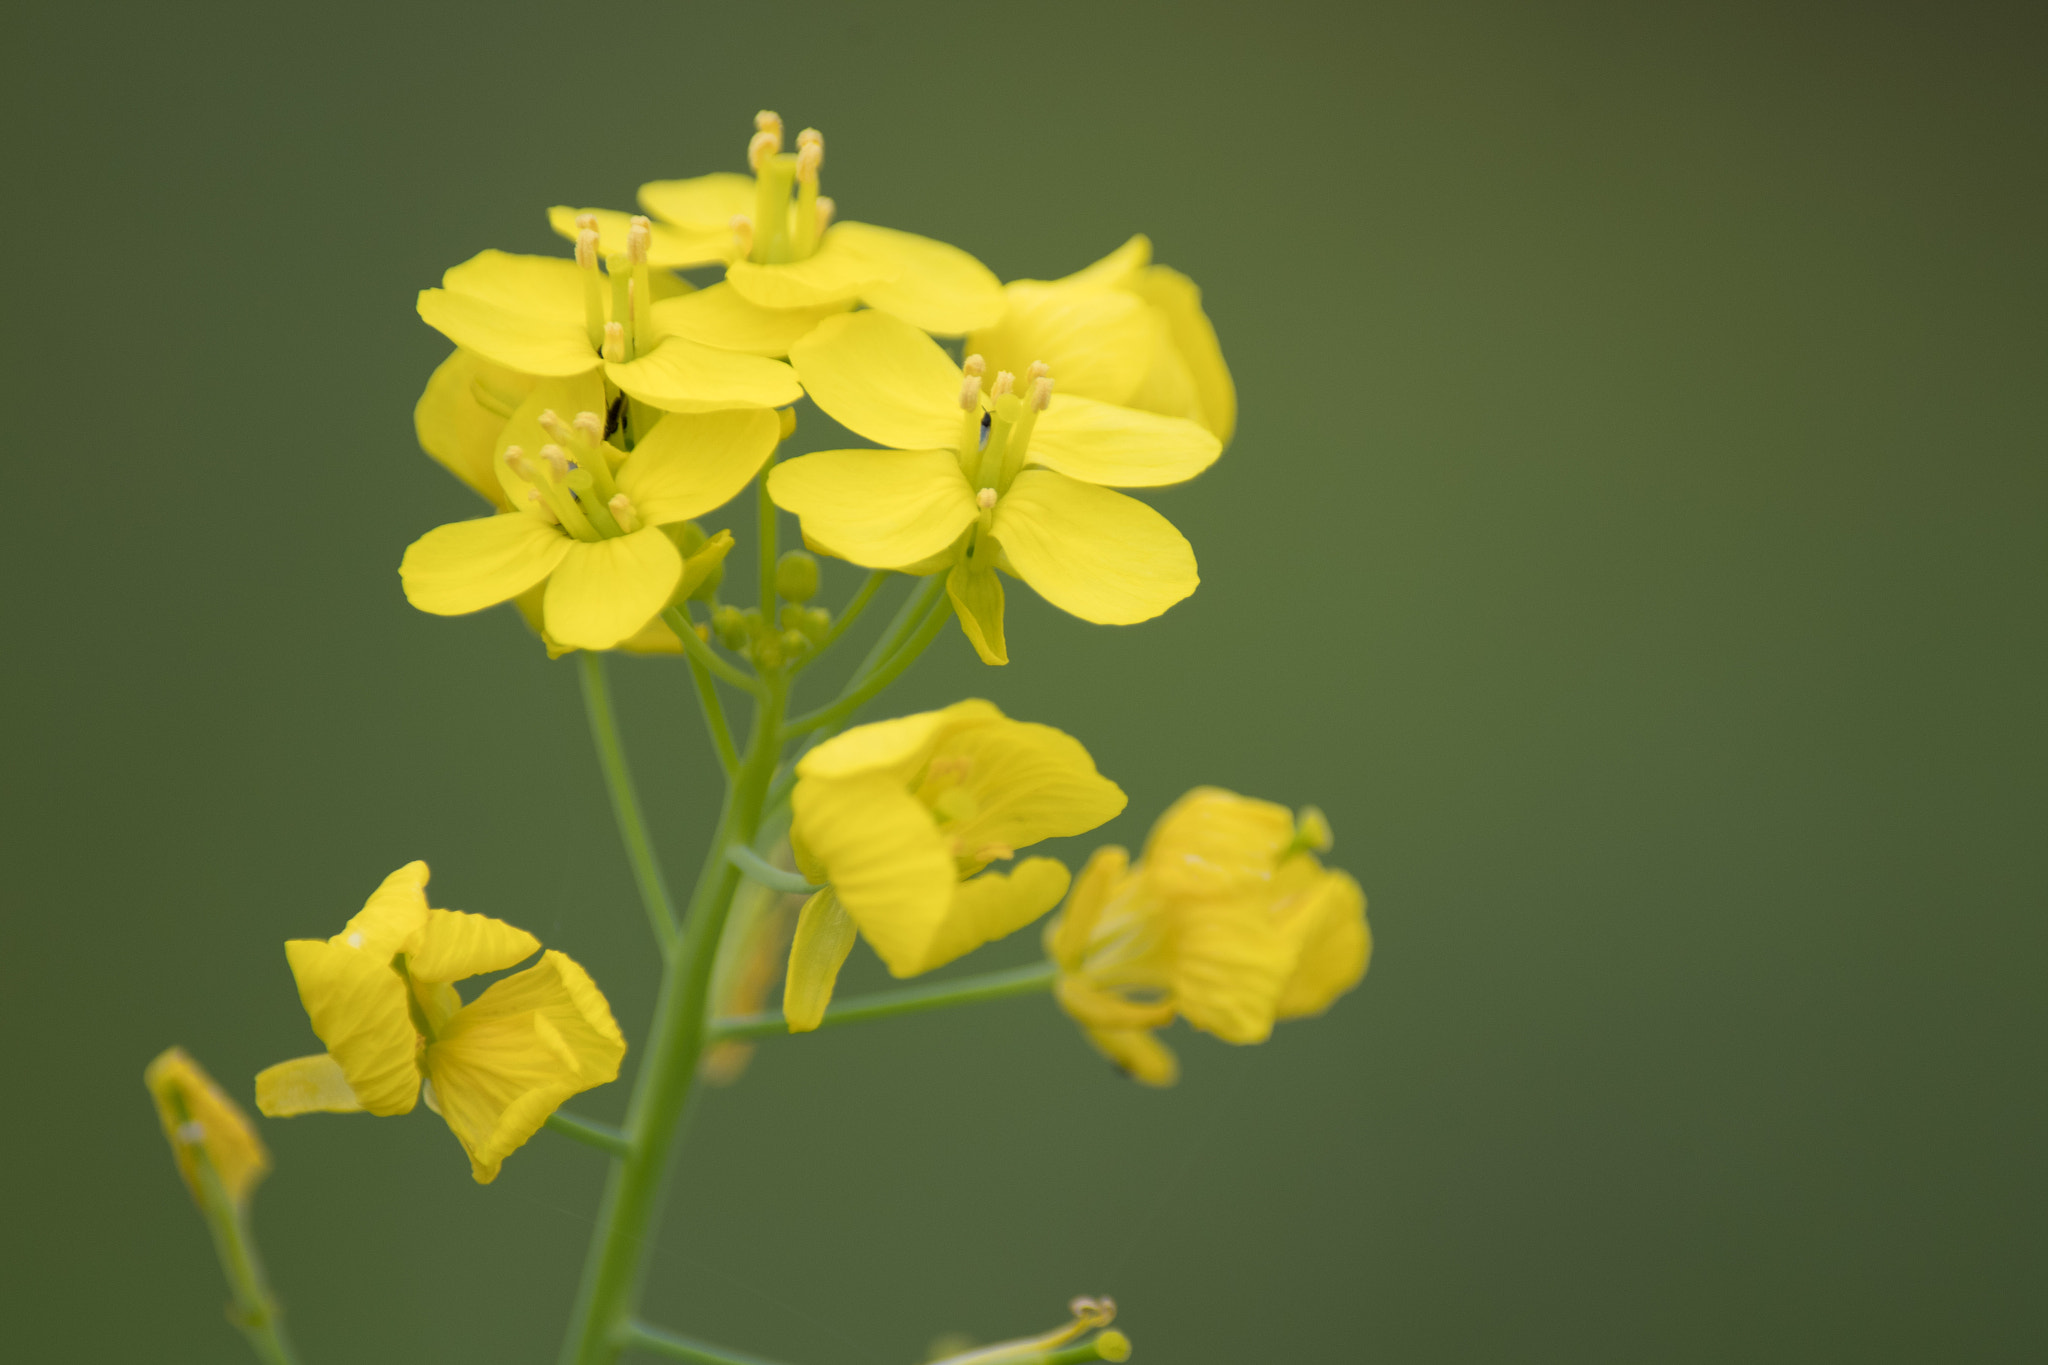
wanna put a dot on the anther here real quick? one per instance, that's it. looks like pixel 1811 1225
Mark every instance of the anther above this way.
pixel 809 156
pixel 762 146
pixel 622 512
pixel 743 233
pixel 768 121
pixel 557 461
pixel 974 365
pixel 516 461
pixel 586 222
pixel 591 426
pixel 615 341
pixel 1041 393
pixel 1038 369
pixel 637 237
pixel 1005 382
pixel 970 392
pixel 985 499
pixel 553 425
pixel 540 505
pixel 586 249
pixel 811 137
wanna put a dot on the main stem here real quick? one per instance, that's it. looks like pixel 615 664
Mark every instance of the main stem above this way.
pixel 626 1220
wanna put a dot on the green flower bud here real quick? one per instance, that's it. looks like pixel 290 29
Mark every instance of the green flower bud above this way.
pixel 796 576
pixel 731 624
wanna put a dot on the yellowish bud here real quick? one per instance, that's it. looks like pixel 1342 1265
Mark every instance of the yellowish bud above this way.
pixel 204 1125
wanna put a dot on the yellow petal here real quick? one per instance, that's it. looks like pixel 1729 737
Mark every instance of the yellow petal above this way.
pixel 1120 269
pixel 1230 962
pixel 892 749
pixel 885 860
pixel 1336 946
pixel 547 288
pixel 992 906
pixel 198 1117
pixel 709 202
pixel 683 376
pixel 933 285
pixel 606 590
pixel 391 916
pixel 668 247
pixel 511 1057
pixel 1180 301
pixel 565 398
pixel 537 346
pixel 1068 934
pixel 839 273
pixel 977 597
pixel 453 945
pixel 881 378
pixel 1096 554
pixel 721 316
pixel 1019 782
pixel 458 430
pixel 469 565
pixel 305 1085
pixel 357 1005
pixel 1121 447
pixel 693 462
pixel 1096 340
pixel 1213 842
pixel 824 936
pixel 1094 1007
pixel 1138 1054
pixel 884 509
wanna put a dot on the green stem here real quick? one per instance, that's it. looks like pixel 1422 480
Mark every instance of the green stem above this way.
pixel 618 777
pixel 701 652
pixel 1039 976
pixel 840 711
pixel 626 1221
pixel 602 1136
pixel 661 1342
pixel 714 714
pixel 759 869
pixel 868 588
pixel 254 1309
pixel 901 626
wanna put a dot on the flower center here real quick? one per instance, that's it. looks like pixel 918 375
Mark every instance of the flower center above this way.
pixel 617 307
pixel 780 231
pixel 995 433
pixel 570 481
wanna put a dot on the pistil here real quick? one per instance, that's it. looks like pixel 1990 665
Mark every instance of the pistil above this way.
pixel 810 156
pixel 641 297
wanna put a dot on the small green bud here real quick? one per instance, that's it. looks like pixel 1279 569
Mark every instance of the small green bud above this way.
pixel 796 577
pixel 731 624
pixel 1113 1345
pixel 817 623
pixel 794 643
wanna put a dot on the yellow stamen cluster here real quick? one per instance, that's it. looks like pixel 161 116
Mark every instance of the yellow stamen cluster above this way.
pixel 570 478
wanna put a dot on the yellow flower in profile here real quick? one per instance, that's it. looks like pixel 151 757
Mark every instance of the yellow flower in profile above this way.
pixel 381 996
pixel 554 319
pixel 978 482
pixel 899 820
pixel 788 265
pixel 201 1122
pixel 1122 331
pixel 1228 921
pixel 593 522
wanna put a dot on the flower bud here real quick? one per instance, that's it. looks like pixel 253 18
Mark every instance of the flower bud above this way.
pixel 202 1123
pixel 731 624
pixel 796 577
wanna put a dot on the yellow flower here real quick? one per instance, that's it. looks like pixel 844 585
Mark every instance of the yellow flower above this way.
pixel 381 997
pixel 201 1121
pixel 898 821
pixel 594 522
pixel 555 319
pixel 1229 922
pixel 461 417
pixel 788 266
pixel 1122 331
pixel 978 482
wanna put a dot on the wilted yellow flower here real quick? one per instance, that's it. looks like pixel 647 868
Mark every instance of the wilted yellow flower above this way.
pixel 1228 921
pixel 788 265
pixel 1090 1315
pixel 977 482
pixel 599 526
pixel 898 821
pixel 202 1122
pixel 381 996
pixel 1123 331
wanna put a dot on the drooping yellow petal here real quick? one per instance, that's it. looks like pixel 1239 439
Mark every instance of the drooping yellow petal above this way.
pixel 879 377
pixel 668 247
pixel 197 1117
pixel 824 936
pixel 548 288
pixel 453 945
pixel 884 509
pixel 1179 300
pixel 693 462
pixel 1138 1054
pixel 992 906
pixel 455 427
pixel 604 591
pixel 469 565
pixel 1067 935
pixel 1229 963
pixel 1095 340
pixel 723 317
pixel 511 1057
pixel 357 1005
pixel 708 202
pixel 1213 842
pixel 932 284
pixel 893 749
pixel 305 1085
pixel 885 860
pixel 1096 554
pixel 1009 784
pixel 977 597
pixel 391 916
pixel 1336 946
pixel 839 273
pixel 683 376
pixel 536 346
pixel 1119 447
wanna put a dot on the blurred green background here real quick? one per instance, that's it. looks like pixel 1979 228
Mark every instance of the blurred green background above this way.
pixel 1633 540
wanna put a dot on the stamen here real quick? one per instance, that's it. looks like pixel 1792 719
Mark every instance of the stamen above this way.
pixel 622 512
pixel 637 237
pixel 974 365
pixel 985 499
pixel 743 234
pixel 1041 394
pixel 593 286
pixel 591 425
pixel 615 341
pixel 809 156
pixel 557 461
pixel 1005 382
pixel 586 248
pixel 516 461
pixel 1038 369
pixel 762 146
pixel 768 121
pixel 825 210
pixel 970 392
pixel 553 425
pixel 540 505
pixel 586 222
